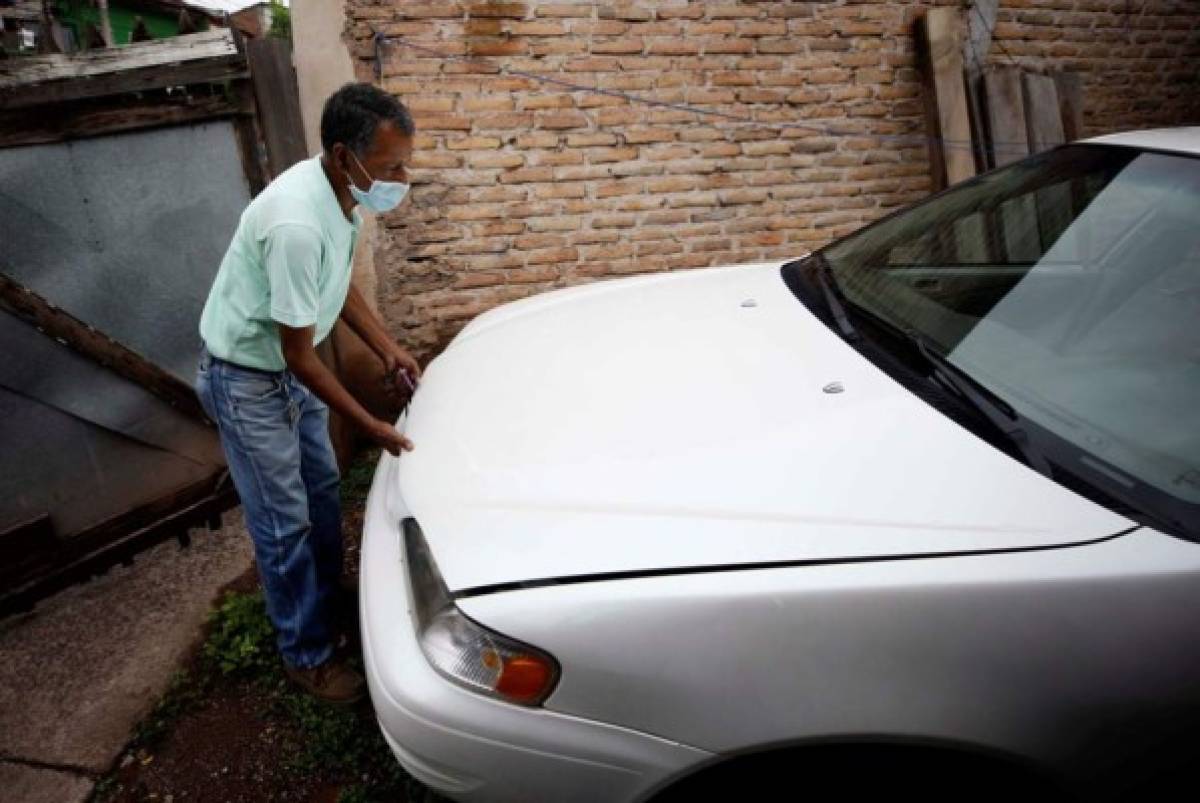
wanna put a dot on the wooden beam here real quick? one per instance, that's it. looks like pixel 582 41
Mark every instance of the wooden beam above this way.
pixel 951 144
pixel 1043 119
pixel 249 137
pixel 981 20
pixel 209 57
pixel 98 116
pixel 278 100
pixel 1070 99
pixel 98 347
pixel 115 541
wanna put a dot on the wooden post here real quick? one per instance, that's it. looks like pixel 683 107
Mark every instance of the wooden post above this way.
pixel 951 144
pixel 105 22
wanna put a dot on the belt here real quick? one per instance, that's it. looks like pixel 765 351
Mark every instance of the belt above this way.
pixel 264 372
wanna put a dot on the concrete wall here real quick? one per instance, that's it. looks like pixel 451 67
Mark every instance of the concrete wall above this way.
pixel 323 64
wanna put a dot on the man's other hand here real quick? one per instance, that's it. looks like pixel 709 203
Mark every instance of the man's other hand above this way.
pixel 387 436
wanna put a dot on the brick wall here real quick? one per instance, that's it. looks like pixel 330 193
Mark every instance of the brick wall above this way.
pixel 526 187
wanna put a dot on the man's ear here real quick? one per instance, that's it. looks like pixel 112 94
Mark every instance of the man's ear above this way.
pixel 338 154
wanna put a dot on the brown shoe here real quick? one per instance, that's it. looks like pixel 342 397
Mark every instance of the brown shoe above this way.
pixel 332 682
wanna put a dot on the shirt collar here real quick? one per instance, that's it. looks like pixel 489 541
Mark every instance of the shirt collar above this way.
pixel 328 201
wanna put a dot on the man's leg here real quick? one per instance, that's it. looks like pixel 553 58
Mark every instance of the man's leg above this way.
pixel 258 422
pixel 322 483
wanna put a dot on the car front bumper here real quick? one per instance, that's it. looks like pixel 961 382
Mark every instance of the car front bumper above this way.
pixel 471 747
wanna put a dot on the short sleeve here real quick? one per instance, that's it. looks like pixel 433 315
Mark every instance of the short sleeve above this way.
pixel 292 256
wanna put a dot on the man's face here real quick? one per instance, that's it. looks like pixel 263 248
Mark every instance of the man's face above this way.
pixel 387 157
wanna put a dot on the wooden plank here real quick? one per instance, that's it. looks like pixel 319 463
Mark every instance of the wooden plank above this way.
pixel 951 144
pixel 32 535
pixel 98 347
pixel 249 138
pixel 981 20
pixel 1004 103
pixel 116 541
pixel 1070 99
pixel 93 63
pixel 1043 119
pixel 98 116
pixel 209 57
pixel 278 99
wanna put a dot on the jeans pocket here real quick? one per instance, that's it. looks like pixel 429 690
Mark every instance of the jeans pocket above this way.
pixel 249 389
pixel 203 388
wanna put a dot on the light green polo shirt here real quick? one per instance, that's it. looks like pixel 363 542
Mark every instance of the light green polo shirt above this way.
pixel 289 262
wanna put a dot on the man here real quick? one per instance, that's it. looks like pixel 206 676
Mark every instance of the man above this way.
pixel 282 285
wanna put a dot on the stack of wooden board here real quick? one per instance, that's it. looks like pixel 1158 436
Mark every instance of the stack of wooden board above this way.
pixel 980 117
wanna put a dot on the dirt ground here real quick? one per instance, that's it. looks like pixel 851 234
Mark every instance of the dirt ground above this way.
pixel 244 734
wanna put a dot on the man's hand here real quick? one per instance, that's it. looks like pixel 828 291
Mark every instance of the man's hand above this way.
pixel 395 360
pixel 389 438
pixel 301 359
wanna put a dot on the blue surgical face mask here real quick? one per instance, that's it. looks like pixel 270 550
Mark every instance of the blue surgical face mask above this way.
pixel 384 196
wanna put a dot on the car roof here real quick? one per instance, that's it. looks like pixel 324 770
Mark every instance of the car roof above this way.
pixel 1181 140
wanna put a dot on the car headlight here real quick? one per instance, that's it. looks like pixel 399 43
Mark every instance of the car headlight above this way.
pixel 467 653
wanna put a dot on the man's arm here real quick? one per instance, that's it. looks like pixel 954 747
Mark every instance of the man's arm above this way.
pixel 368 325
pixel 302 360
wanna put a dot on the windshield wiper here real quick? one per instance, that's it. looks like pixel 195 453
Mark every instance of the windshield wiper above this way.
pixel 999 413
pixel 833 297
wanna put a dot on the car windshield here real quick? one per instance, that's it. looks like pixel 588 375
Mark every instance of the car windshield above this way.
pixel 1066 289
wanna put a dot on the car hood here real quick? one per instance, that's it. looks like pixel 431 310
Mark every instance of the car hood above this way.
pixel 691 420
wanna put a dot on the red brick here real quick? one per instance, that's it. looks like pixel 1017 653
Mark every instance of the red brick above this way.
pixel 552 101
pixel 552 256
pixel 731 12
pixel 442 122
pixel 556 158
pixel 618 46
pixel 497 47
pixel 563 190
pixel 613 221
pixel 430 159
pixel 597 252
pixel 537 139
pixel 635 136
pixel 504 120
pixel 562 10
pixel 602 155
pixel 492 9
pixel 487 103
pixel 527 174
pixel 728 45
pixel 494 159
pixel 429 104
pixel 562 121
pixel 539 29
pixel 532 275
pixel 443 10
pixel 674 47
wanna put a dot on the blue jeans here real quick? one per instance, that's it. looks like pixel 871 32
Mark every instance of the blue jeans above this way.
pixel 275 434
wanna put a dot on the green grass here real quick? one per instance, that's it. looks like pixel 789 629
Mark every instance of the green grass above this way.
pixel 356 479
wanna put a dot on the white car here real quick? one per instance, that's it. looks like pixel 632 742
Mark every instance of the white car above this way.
pixel 914 514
